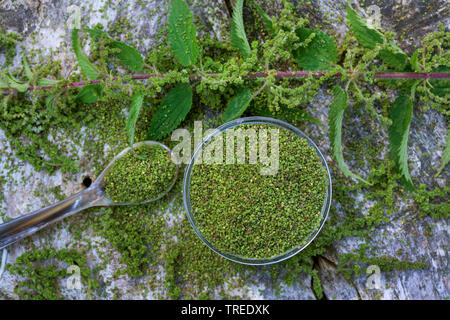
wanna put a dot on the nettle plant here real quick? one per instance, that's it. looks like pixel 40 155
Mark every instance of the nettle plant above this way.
pixel 243 72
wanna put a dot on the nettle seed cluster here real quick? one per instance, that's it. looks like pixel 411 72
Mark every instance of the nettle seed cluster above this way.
pixel 141 175
pixel 245 213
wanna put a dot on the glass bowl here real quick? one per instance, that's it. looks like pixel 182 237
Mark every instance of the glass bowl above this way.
pixel 187 180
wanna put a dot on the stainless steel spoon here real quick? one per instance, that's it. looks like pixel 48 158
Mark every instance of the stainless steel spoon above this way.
pixel 93 196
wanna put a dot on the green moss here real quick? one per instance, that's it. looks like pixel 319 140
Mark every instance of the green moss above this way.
pixel 351 263
pixel 432 202
pixel 8 42
pixel 43 270
pixel 136 232
pixel 193 270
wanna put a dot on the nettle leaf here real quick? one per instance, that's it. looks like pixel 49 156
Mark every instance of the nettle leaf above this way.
pixel 90 93
pixel 182 34
pixel 335 117
pixel 445 154
pixel 16 84
pixel 47 82
pixel 96 33
pixel 400 116
pixel 127 54
pixel 135 109
pixel 238 104
pixel 318 54
pixel 414 61
pixel 367 37
pixel 26 67
pixel 86 66
pixel 441 87
pixel 394 57
pixel 172 111
pixel 50 102
pixel 237 36
pixel 268 22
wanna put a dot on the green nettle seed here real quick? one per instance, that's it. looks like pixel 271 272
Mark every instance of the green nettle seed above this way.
pixel 140 176
pixel 241 212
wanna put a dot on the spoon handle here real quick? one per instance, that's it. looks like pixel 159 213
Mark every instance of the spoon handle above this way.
pixel 28 224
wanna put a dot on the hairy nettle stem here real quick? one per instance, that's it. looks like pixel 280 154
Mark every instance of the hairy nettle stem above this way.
pixel 278 75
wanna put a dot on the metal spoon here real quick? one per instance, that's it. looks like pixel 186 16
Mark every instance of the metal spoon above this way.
pixel 94 196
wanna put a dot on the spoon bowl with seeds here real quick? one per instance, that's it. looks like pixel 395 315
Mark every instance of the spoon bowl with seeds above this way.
pixel 140 174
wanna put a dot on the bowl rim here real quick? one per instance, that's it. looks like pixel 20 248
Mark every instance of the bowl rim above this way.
pixel 187 179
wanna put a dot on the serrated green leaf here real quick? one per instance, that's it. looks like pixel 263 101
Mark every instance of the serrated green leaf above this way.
pixel 135 109
pixel 394 57
pixel 369 37
pixel 237 36
pixel 318 54
pixel 26 67
pixel 86 66
pixel 47 82
pixel 441 87
pixel 50 102
pixel 238 104
pixel 366 36
pixel 400 116
pixel 16 84
pixel 127 54
pixel 182 34
pixel 96 33
pixel 445 154
pixel 90 93
pixel 415 61
pixel 172 111
pixel 335 117
pixel 268 23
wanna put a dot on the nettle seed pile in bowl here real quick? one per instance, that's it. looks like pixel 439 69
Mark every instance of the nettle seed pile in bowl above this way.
pixel 242 212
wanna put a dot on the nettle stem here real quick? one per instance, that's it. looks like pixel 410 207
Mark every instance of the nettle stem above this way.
pixel 278 75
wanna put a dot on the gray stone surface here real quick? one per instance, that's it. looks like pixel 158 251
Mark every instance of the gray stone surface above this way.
pixel 47 18
pixel 335 286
